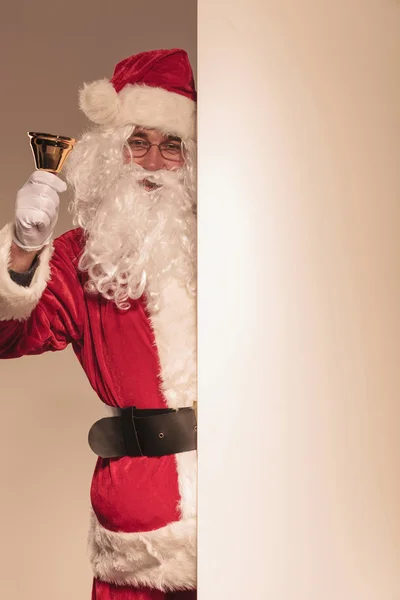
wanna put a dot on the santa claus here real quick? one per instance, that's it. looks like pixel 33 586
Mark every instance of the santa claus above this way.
pixel 121 288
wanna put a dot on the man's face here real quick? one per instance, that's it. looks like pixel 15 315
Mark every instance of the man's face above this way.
pixel 153 151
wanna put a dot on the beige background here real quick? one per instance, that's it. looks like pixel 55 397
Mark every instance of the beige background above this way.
pixel 299 300
pixel 48 50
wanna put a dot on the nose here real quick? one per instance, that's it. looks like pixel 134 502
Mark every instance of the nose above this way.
pixel 153 160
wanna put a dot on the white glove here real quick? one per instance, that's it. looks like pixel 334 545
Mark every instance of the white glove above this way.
pixel 36 210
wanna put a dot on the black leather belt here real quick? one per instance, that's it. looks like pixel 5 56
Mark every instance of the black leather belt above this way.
pixel 145 432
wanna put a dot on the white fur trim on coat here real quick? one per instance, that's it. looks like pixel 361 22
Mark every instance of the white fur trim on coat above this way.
pixel 164 559
pixel 17 302
pixel 140 105
pixel 174 326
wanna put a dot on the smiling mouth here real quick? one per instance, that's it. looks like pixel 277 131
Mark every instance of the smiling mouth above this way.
pixel 149 185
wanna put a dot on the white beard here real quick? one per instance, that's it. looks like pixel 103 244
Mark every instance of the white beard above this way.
pixel 137 240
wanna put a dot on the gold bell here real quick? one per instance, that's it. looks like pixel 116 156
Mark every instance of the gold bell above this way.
pixel 50 151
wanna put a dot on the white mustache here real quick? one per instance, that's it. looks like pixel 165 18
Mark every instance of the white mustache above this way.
pixel 161 177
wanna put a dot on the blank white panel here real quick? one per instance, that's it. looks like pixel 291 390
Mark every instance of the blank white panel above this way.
pixel 299 295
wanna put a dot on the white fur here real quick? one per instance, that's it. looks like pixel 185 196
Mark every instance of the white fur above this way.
pixel 174 327
pixel 140 105
pixel 164 559
pixel 100 102
pixel 17 302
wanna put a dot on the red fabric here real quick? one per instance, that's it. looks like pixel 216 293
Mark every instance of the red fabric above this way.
pixel 108 591
pixel 117 351
pixel 167 69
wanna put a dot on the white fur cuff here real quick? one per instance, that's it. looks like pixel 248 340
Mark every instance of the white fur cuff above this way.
pixel 17 302
pixel 164 559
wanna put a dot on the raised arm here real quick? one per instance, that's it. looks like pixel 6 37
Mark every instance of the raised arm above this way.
pixel 41 298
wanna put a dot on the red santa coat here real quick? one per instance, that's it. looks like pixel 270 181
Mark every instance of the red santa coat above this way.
pixel 143 526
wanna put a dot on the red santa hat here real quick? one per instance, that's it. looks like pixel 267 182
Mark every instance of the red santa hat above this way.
pixel 153 89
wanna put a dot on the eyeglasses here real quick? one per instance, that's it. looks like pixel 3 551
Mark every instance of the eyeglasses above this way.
pixel 169 150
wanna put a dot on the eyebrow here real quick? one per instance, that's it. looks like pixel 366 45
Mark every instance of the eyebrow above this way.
pixel 144 136
pixel 140 134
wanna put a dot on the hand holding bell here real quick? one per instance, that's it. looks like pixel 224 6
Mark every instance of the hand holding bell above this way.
pixel 37 202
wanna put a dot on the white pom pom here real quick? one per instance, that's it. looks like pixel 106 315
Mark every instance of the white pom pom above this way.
pixel 100 102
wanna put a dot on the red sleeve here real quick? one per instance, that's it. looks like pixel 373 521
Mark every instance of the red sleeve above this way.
pixel 57 318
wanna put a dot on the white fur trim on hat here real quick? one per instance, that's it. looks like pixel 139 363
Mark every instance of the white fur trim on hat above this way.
pixel 163 559
pixel 17 302
pixel 140 105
